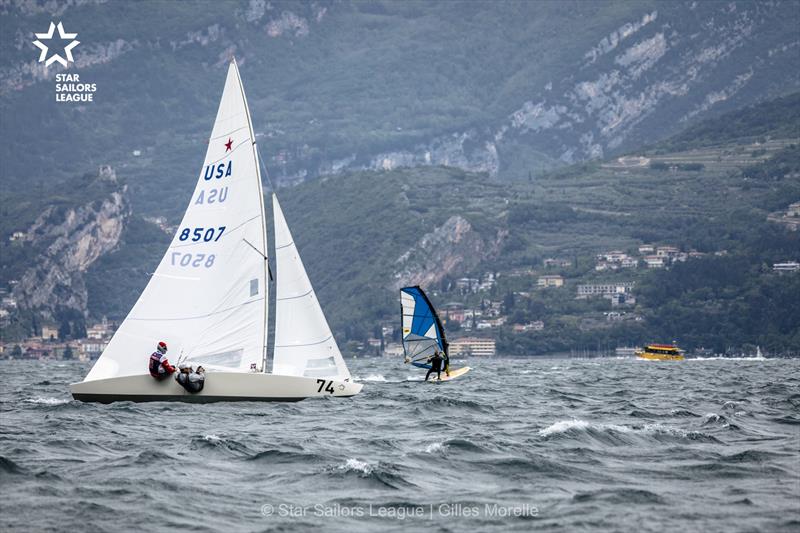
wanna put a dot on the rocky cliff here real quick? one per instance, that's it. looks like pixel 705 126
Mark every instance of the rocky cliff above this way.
pixel 70 240
pixel 453 247
pixel 645 79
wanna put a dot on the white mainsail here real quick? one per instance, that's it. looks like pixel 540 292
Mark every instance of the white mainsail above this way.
pixel 304 344
pixel 208 297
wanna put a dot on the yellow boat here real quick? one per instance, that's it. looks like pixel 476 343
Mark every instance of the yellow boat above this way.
pixel 660 352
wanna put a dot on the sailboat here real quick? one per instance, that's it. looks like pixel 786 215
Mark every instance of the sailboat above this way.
pixel 423 333
pixel 208 299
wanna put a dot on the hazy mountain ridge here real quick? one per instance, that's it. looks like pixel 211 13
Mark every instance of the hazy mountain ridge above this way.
pixel 341 86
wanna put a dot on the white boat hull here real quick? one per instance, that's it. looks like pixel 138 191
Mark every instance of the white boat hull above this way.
pixel 219 387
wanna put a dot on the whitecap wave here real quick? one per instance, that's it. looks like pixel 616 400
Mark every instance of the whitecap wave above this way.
pixel 374 377
pixel 714 418
pixel 355 465
pixel 563 426
pixel 435 447
pixel 212 438
pixel 762 358
pixel 48 401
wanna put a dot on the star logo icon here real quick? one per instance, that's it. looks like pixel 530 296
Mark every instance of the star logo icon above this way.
pixel 228 145
pixel 49 36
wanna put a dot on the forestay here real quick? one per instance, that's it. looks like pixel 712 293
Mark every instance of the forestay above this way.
pixel 422 331
pixel 207 298
pixel 304 344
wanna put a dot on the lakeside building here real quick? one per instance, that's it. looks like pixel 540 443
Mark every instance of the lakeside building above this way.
pixel 49 332
pixel 467 284
pixel 614 256
pixel 550 280
pixel 654 261
pixel 537 325
pixel 488 282
pixel 553 262
pixel 619 298
pixel 100 331
pixel 90 348
pixel 600 289
pixel 670 252
pixel 482 347
pixel 454 312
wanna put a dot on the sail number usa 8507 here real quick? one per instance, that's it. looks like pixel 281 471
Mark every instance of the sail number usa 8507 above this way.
pixel 206 234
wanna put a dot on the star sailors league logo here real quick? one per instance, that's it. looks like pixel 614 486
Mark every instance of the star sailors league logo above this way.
pixel 45 49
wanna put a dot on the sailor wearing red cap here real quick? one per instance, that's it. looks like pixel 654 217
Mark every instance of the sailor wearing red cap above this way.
pixel 159 365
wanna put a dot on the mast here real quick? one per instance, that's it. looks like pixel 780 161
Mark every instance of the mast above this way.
pixel 263 217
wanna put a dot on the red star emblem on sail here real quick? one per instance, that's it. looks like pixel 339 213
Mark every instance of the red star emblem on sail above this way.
pixel 228 145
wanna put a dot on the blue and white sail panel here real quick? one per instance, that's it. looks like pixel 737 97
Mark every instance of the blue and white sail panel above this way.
pixel 422 331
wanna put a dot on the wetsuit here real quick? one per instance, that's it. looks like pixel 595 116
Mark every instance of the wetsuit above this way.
pixel 436 366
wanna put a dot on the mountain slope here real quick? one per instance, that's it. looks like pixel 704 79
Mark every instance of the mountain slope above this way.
pixel 507 88
pixel 715 200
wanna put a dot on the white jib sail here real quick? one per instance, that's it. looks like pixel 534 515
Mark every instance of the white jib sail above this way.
pixel 304 344
pixel 207 298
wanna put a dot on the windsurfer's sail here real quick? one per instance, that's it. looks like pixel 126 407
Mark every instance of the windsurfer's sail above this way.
pixel 423 333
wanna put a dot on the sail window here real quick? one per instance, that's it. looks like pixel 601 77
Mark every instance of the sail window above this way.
pixel 230 359
pixel 254 287
pixel 325 366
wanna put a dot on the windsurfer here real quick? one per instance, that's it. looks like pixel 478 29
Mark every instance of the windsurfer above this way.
pixel 436 361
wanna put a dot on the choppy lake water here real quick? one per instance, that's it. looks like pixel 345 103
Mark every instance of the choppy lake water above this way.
pixel 516 445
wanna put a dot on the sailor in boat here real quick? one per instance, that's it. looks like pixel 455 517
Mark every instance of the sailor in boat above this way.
pixel 191 380
pixel 159 364
pixel 436 361
pixel 182 377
